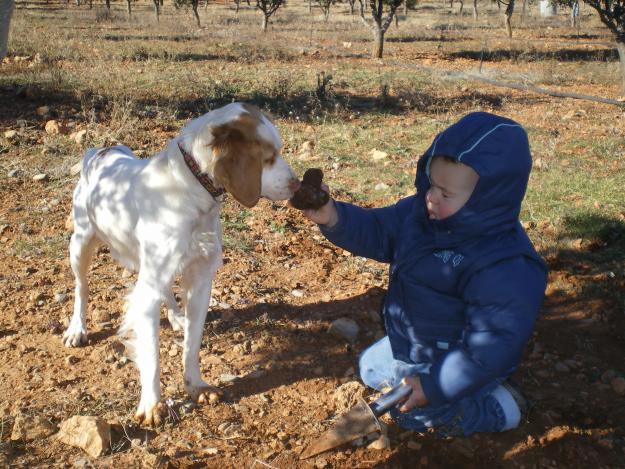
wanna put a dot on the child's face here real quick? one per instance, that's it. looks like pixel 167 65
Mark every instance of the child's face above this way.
pixel 451 185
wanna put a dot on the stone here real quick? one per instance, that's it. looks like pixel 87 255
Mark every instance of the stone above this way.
pixel 345 328
pixel 381 186
pixel 92 434
pixel 381 443
pixel 75 169
pixel 53 127
pixel 41 177
pixel 377 155
pixel 31 427
pixel 15 173
pixel 10 134
pixel 43 110
pixel 79 136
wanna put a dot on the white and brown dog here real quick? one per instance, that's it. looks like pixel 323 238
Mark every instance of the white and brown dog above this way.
pixel 160 218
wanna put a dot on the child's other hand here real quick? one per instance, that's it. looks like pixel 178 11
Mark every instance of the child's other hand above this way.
pixel 326 215
pixel 417 398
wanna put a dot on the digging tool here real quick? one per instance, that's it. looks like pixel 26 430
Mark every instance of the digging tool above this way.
pixel 361 420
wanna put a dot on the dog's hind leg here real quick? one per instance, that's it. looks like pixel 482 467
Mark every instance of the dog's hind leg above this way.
pixel 174 315
pixel 81 248
pixel 197 280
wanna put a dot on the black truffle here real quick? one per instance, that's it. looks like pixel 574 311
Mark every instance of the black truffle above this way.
pixel 310 195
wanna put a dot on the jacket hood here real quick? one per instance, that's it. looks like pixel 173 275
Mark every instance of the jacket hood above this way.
pixel 498 150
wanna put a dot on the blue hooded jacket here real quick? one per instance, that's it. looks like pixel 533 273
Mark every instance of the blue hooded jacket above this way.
pixel 464 292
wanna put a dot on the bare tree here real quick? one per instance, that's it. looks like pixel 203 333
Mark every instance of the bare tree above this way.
pixel 325 7
pixel 268 8
pixel 475 10
pixel 611 14
pixel 194 6
pixel 128 2
pixel 351 6
pixel 507 14
pixel 380 21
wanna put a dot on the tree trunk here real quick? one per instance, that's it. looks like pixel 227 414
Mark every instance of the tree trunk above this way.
pixel 309 6
pixel 475 10
pixel 620 46
pixel 238 4
pixel 406 7
pixel 351 7
pixel 524 10
pixel 508 16
pixel 128 2
pixel 194 5
pixel 574 14
pixel 265 22
pixel 378 43
pixel 108 5
pixel 157 10
pixel 461 7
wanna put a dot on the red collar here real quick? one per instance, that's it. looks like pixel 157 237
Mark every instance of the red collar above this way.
pixel 203 178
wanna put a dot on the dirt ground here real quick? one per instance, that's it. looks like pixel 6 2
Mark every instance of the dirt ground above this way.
pixel 266 340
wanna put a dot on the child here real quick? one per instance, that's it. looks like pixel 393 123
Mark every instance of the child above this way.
pixel 465 282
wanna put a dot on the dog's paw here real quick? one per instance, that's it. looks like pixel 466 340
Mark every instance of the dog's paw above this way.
pixel 149 415
pixel 75 336
pixel 204 393
pixel 176 319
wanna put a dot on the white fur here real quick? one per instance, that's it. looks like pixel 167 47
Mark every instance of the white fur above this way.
pixel 158 220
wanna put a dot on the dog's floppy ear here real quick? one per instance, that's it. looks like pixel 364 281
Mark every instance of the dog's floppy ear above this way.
pixel 238 159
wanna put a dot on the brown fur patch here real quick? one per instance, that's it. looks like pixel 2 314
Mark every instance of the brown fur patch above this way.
pixel 240 156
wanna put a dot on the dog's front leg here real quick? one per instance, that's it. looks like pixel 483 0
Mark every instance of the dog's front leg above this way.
pixel 141 327
pixel 197 281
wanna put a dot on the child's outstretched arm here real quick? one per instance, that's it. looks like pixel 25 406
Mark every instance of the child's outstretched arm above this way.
pixel 364 232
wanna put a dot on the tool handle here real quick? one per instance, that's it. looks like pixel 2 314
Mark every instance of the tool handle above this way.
pixel 384 403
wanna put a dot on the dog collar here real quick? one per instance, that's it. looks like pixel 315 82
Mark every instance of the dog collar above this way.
pixel 203 178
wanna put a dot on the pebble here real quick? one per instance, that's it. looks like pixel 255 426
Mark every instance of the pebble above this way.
pixel 41 177
pixel 381 443
pixel 297 293
pixel 14 173
pixel 345 328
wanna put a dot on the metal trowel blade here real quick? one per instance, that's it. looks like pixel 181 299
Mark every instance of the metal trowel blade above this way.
pixel 359 421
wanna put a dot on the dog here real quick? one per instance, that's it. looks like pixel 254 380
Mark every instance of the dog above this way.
pixel 160 218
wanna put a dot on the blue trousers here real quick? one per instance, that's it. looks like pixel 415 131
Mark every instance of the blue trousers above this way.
pixel 491 409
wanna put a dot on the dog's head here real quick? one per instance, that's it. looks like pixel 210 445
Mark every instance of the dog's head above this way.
pixel 240 147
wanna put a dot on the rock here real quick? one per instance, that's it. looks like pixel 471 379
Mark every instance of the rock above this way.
pixel 79 136
pixel 31 427
pixel 381 186
pixel 10 134
pixel 321 463
pixel 345 328
pixel 15 173
pixel 53 127
pixel 618 385
pixel 377 155
pixel 227 378
pixel 43 110
pixel 381 443
pixel 41 177
pixel 297 293
pixel 91 434
pixel 347 395
pixel 347 45
pixel 60 297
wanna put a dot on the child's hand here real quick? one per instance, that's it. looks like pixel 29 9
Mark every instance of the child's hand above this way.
pixel 417 398
pixel 326 215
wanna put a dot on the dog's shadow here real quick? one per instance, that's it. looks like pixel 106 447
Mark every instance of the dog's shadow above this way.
pixel 301 346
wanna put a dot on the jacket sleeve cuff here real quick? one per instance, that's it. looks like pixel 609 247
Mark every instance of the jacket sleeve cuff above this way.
pixel 339 226
pixel 432 391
